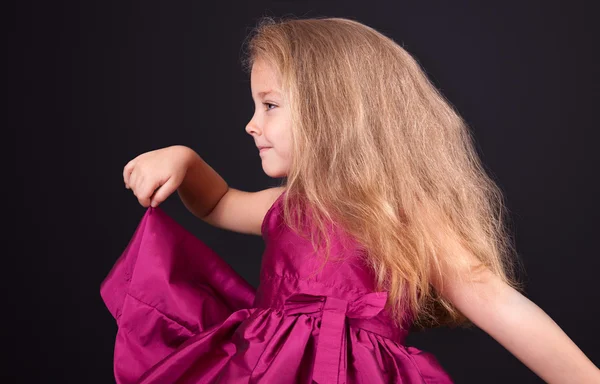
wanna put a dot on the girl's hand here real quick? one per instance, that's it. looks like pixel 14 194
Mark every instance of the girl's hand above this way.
pixel 153 176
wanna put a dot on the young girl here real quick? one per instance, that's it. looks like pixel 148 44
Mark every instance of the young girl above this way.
pixel 386 221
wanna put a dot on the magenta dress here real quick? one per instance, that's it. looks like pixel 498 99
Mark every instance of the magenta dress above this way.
pixel 185 316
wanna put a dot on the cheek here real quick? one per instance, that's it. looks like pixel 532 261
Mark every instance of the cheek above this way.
pixel 286 138
pixel 283 144
pixel 280 136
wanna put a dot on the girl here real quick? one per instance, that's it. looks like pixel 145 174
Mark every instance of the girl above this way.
pixel 385 220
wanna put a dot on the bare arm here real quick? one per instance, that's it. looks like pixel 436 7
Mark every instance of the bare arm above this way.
pixel 202 187
pixel 206 194
pixel 523 329
pixel 242 211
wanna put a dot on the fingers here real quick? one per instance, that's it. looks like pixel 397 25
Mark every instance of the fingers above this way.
pixel 163 192
pixel 144 189
pixel 127 173
pixel 141 188
pixel 133 180
pixel 146 184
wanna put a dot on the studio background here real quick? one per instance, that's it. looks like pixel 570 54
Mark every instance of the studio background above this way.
pixel 91 85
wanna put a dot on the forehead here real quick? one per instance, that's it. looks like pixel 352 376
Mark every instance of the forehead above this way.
pixel 264 79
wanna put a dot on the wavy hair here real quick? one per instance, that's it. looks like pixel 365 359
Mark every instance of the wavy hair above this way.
pixel 378 151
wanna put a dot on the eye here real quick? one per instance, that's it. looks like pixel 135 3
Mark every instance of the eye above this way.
pixel 269 104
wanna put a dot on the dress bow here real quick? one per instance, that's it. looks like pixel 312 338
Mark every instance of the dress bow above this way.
pixel 330 364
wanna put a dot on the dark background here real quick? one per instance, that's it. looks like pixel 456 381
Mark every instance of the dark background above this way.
pixel 91 85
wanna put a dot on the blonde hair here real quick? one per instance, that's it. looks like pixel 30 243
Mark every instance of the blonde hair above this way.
pixel 378 151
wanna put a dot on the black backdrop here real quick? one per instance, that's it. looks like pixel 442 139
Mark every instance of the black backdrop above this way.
pixel 94 84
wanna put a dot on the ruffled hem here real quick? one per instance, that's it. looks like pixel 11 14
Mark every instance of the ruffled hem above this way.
pixel 259 345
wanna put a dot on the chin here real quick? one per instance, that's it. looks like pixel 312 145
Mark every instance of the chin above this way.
pixel 275 173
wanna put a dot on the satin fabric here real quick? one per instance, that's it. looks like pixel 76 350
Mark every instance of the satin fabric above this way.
pixel 185 316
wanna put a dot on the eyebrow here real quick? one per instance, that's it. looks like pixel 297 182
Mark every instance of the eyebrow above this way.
pixel 263 94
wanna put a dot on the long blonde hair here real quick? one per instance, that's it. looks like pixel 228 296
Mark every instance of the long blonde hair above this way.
pixel 379 151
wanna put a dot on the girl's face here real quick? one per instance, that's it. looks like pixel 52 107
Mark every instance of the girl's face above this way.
pixel 271 124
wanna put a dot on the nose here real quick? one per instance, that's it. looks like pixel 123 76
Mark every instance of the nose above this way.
pixel 252 128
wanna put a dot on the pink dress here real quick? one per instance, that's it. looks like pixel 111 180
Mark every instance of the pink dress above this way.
pixel 185 316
